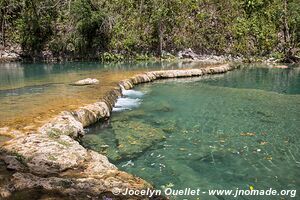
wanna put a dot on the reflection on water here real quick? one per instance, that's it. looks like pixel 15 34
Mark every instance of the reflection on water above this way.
pixel 222 132
pixel 32 93
pixel 37 89
pixel 16 75
pixel 276 80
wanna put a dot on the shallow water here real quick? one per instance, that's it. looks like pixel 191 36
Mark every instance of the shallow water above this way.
pixel 30 94
pixel 228 131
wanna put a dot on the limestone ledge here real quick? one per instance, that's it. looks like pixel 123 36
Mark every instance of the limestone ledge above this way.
pixel 87 81
pixel 53 160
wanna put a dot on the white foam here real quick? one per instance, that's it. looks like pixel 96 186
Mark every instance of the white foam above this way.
pixel 130 100
pixel 125 103
pixel 132 93
pixel 129 163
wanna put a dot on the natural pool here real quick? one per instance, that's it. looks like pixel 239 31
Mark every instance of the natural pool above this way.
pixel 228 131
pixel 32 93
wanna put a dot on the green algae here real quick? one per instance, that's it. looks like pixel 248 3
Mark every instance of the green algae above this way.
pixel 130 139
pixel 135 137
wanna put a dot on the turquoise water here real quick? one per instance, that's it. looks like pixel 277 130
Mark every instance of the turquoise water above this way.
pixel 24 88
pixel 228 131
pixel 18 75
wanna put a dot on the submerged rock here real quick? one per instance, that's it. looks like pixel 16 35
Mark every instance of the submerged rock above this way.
pixel 52 160
pixel 130 114
pixel 168 126
pixel 87 81
pixel 95 142
pixel 163 107
pixel 134 137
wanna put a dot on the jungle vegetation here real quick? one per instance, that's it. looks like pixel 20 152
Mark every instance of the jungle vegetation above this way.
pixel 125 27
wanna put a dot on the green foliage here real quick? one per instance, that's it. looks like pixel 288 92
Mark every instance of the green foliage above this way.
pixel 91 30
pixel 142 57
pixel 34 26
pixel 54 134
pixel 92 27
pixel 111 57
pixel 294 22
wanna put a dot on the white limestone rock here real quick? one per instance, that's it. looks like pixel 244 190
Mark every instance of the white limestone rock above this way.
pixel 87 81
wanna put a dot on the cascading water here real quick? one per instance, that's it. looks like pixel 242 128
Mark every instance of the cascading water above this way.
pixel 130 99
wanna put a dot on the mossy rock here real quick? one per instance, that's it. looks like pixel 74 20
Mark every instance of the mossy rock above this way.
pixel 129 115
pixel 168 126
pixel 137 113
pixel 135 137
pixel 98 144
pixel 94 142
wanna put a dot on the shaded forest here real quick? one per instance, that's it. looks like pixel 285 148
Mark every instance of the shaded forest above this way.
pixel 151 27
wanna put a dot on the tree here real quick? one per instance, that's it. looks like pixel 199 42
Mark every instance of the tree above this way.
pixel 291 29
pixel 90 27
pixel 35 25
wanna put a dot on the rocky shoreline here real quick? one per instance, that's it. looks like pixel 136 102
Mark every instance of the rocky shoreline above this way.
pixel 15 53
pixel 10 54
pixel 53 160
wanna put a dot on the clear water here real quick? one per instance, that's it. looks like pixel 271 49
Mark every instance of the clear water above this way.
pixel 228 131
pixel 32 93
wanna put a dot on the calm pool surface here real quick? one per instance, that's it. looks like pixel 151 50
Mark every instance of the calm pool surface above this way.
pixel 228 131
pixel 31 94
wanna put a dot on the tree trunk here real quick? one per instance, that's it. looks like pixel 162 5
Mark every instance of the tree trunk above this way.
pixel 3 33
pixel 69 6
pixel 286 31
pixel 3 26
pixel 160 36
pixel 141 6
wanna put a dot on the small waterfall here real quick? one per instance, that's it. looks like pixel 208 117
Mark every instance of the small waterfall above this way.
pixel 131 93
pixel 130 99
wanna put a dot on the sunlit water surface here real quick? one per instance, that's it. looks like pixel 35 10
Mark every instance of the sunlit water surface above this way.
pixel 228 131
pixel 32 93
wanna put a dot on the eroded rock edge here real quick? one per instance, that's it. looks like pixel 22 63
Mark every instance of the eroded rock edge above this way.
pixel 53 160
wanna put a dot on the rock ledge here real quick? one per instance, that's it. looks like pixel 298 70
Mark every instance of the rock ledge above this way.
pixel 53 160
pixel 87 81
